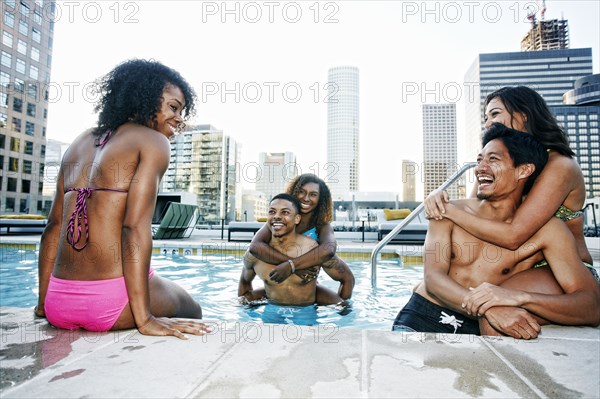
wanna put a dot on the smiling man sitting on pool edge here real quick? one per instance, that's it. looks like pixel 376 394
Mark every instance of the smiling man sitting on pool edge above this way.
pixel 284 215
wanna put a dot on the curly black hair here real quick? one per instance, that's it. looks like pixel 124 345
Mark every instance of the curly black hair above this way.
pixel 323 213
pixel 132 92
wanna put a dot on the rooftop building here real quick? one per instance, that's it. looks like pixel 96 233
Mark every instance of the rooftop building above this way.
pixel 27 30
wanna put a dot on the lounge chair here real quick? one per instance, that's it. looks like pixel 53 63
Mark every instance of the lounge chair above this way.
pixel 22 224
pixel 414 233
pixel 177 221
pixel 243 227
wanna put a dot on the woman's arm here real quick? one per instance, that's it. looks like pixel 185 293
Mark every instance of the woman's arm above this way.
pixel 578 299
pixel 435 204
pixel 49 245
pixel 260 248
pixel 547 194
pixel 136 236
pixel 316 256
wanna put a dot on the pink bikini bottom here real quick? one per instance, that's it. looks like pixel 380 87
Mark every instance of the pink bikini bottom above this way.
pixel 92 305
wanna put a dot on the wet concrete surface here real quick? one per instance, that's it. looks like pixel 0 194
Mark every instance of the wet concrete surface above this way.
pixel 269 360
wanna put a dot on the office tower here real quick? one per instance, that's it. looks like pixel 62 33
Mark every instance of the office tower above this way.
pixel 343 130
pixel 579 118
pixel 276 170
pixel 439 147
pixel 551 73
pixel 410 170
pixel 25 60
pixel 204 162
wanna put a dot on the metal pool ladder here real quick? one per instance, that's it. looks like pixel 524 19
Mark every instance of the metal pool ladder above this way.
pixel 408 219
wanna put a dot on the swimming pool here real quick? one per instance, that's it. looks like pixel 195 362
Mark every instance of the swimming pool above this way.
pixel 212 280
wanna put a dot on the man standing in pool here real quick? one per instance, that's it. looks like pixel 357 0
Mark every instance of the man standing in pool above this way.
pixel 460 292
pixel 284 215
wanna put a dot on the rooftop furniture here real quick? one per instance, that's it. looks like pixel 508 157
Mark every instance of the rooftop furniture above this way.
pixel 177 221
pixel 22 224
pixel 414 233
pixel 243 227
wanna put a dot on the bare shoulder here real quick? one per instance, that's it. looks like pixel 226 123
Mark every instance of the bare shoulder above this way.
pixel 468 204
pixel 143 136
pixel 562 164
pixel 81 141
pixel 306 243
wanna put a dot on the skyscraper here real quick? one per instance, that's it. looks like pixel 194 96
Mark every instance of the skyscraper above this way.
pixel 439 147
pixel 277 169
pixel 551 73
pixel 25 60
pixel 343 130
pixel 204 161
pixel 579 116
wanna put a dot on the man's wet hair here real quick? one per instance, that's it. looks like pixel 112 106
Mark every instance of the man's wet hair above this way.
pixel 522 147
pixel 288 197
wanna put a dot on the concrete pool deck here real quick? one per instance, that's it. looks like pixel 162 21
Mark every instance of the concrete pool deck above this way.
pixel 268 360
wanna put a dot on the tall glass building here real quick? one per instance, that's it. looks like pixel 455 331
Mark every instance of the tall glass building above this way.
pixel 439 147
pixel 27 31
pixel 551 73
pixel 204 162
pixel 579 117
pixel 343 131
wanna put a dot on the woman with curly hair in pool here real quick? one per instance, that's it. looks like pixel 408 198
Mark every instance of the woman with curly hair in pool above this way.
pixel 316 216
pixel 94 261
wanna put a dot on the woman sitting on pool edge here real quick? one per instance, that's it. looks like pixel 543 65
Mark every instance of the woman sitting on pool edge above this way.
pixel 316 216
pixel 95 252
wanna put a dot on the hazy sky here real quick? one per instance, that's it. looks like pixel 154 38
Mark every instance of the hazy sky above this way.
pixel 260 68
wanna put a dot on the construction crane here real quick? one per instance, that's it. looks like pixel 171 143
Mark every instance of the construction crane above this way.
pixel 541 9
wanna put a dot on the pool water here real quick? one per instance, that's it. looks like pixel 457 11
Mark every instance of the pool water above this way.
pixel 212 280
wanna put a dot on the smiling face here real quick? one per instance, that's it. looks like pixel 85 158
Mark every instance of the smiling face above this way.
pixel 309 197
pixel 282 218
pixel 168 118
pixel 495 171
pixel 495 111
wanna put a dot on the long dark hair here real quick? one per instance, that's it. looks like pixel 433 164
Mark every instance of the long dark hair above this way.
pixel 132 92
pixel 539 120
pixel 323 213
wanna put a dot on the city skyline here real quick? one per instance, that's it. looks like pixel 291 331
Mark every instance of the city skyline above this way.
pixel 263 80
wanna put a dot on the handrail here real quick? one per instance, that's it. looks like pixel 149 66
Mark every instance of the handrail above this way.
pixel 408 219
